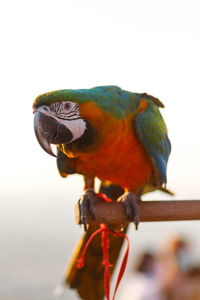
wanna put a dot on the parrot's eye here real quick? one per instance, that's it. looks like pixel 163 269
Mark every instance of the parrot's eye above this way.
pixel 65 110
pixel 67 106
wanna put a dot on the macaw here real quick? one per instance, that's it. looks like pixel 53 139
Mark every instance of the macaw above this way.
pixel 115 135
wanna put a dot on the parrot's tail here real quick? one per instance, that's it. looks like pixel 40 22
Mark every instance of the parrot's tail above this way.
pixel 89 281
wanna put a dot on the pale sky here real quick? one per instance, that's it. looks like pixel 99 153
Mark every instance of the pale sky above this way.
pixel 141 46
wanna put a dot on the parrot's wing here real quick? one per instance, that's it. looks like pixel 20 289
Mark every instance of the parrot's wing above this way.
pixel 65 164
pixel 152 132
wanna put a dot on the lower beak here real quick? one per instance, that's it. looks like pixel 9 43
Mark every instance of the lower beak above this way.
pixel 49 131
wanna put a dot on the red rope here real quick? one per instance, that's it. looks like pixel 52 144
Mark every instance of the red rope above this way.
pixel 124 262
pixel 106 263
pixel 103 197
pixel 105 247
pixel 81 261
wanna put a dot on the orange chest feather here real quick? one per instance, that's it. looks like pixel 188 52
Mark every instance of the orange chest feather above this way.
pixel 120 158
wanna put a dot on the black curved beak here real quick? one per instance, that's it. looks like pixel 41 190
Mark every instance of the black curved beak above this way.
pixel 49 131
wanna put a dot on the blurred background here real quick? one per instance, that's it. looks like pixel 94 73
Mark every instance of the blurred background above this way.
pixel 142 46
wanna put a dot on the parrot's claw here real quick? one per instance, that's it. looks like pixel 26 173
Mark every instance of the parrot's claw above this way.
pixel 131 207
pixel 87 202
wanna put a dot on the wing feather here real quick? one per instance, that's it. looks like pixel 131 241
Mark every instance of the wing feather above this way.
pixel 152 132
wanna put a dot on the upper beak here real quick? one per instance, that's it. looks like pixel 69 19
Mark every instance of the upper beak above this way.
pixel 50 131
pixel 45 128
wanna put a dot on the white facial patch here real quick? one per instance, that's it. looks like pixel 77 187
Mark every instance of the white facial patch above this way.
pixel 77 127
pixel 66 113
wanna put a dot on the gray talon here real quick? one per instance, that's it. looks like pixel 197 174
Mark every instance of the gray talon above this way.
pixel 131 207
pixel 87 202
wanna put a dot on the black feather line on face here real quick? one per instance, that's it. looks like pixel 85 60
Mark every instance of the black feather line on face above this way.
pixel 61 113
pixel 75 108
pixel 68 119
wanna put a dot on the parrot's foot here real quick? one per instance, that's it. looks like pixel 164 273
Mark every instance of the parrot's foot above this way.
pixel 87 202
pixel 131 207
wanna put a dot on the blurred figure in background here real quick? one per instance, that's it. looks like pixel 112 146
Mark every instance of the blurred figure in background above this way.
pixel 186 286
pixel 173 258
pixel 169 274
pixel 143 283
pixel 179 275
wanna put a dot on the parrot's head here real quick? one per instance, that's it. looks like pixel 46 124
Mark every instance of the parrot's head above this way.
pixel 66 116
pixel 58 119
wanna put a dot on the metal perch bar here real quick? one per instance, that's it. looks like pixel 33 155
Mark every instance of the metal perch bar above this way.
pixel 114 213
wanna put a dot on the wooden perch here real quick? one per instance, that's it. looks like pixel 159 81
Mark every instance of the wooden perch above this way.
pixel 114 213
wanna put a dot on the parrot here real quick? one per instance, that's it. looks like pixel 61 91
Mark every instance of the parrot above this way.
pixel 108 133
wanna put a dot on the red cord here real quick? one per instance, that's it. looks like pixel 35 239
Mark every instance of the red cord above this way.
pixel 103 197
pixel 105 247
pixel 106 263
pixel 124 262
pixel 81 261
